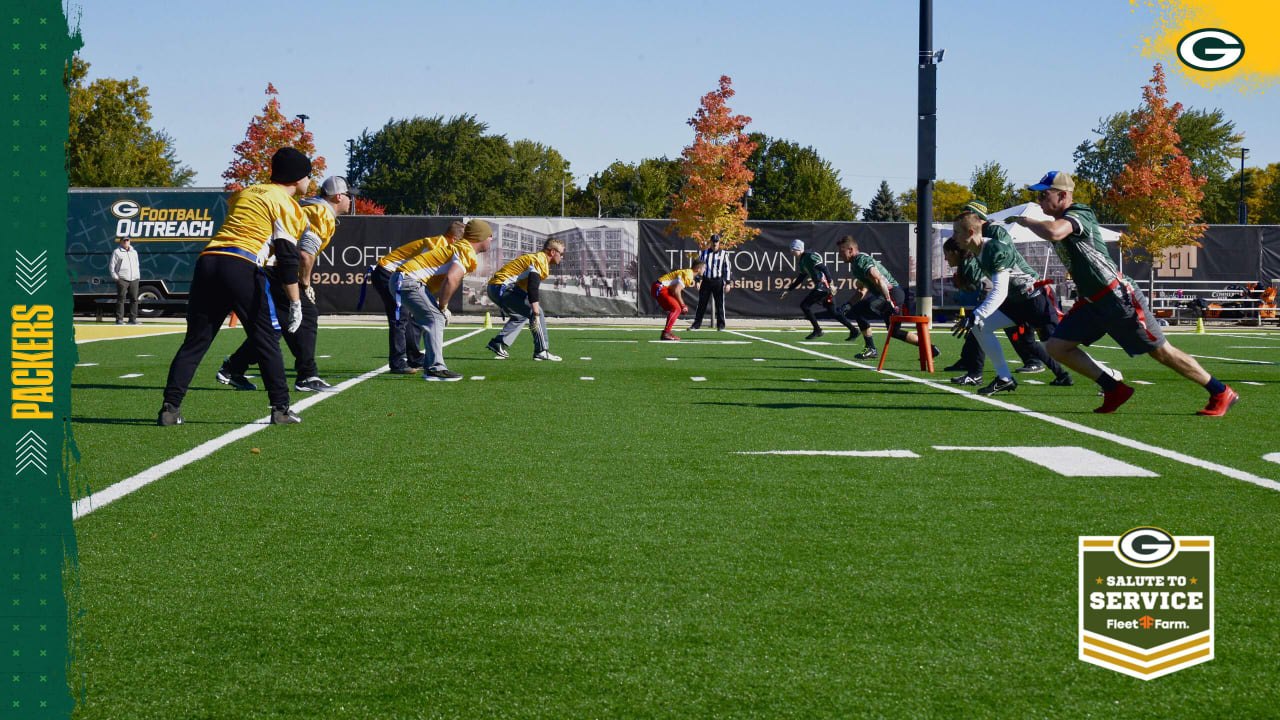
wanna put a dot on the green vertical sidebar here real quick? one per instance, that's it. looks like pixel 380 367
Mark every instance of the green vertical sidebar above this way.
pixel 37 540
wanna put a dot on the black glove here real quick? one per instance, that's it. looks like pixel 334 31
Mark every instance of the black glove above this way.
pixel 962 326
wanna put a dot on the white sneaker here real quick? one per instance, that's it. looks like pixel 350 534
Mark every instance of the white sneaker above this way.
pixel 544 355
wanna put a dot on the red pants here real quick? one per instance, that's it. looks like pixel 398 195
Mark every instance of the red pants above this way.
pixel 672 305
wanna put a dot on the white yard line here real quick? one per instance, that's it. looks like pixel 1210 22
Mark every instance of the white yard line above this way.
pixel 1202 357
pixel 114 492
pixel 838 453
pixel 1174 455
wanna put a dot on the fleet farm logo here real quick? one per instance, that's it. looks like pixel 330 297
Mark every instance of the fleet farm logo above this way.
pixel 141 223
pixel 1146 602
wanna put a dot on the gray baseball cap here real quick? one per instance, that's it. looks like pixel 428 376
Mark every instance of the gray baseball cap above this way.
pixel 336 185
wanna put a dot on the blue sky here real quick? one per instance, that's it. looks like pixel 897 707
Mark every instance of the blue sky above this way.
pixel 1022 83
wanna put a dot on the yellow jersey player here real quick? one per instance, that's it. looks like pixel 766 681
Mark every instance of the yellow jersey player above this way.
pixel 667 291
pixel 516 289
pixel 263 221
pixel 404 352
pixel 428 282
pixel 322 221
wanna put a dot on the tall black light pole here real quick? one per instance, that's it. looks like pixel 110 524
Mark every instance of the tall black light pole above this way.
pixel 303 118
pixel 1244 209
pixel 926 158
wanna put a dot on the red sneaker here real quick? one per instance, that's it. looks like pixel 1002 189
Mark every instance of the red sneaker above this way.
pixel 669 336
pixel 1114 398
pixel 1220 403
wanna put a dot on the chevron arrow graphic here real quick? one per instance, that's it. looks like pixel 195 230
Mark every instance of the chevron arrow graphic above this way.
pixel 31 273
pixel 31 451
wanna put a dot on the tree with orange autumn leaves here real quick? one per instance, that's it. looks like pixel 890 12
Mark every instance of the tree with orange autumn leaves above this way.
pixel 715 174
pixel 267 133
pixel 1156 191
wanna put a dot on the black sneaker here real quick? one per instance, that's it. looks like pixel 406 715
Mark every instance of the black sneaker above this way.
pixel 814 334
pixel 441 375
pixel 284 416
pixel 967 379
pixel 999 385
pixel 226 377
pixel 868 354
pixel 955 367
pixel 169 415
pixel 1063 380
pixel 1033 367
pixel 934 349
pixel 312 384
pixel 406 370
pixel 498 349
pixel 853 335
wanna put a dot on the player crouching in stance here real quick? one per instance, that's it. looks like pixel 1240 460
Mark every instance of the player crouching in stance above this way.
pixel 515 289
pixel 1014 299
pixel 811 267
pixel 439 274
pixel 878 297
pixel 669 289
pixel 1110 304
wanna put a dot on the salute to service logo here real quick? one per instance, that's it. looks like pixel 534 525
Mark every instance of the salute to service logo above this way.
pixel 1146 602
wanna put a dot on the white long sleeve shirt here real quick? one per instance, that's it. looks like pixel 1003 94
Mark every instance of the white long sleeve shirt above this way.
pixel 124 264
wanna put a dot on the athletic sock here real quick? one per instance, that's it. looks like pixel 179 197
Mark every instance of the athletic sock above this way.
pixel 1215 386
pixel 870 342
pixel 1106 381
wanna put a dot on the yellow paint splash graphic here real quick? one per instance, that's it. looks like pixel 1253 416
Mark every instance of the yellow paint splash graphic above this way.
pixel 1255 22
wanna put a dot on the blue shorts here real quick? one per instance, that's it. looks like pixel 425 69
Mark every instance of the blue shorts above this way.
pixel 1122 314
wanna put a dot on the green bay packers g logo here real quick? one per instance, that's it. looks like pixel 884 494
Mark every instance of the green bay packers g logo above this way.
pixel 1210 49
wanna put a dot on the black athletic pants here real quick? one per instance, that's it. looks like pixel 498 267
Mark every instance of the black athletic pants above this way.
pixel 1041 314
pixel 301 343
pixel 972 357
pixel 220 285
pixel 710 289
pixel 818 296
pixel 404 339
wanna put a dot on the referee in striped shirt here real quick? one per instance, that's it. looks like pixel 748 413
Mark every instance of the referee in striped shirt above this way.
pixel 715 283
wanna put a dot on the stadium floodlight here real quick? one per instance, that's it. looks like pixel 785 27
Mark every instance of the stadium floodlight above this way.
pixel 937 57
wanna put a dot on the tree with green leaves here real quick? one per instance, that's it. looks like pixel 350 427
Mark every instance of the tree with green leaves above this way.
pixel 883 207
pixel 990 184
pixel 625 190
pixel 1206 137
pixel 948 199
pixel 110 142
pixel 795 183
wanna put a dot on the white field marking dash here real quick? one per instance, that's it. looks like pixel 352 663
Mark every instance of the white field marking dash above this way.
pixel 673 358
pixel 324 356
pixel 816 342
pixel 146 356
pixel 111 493
pixel 838 453
pixel 758 359
pixel 694 342
pixel 1067 461
pixel 85 364
pixel 584 358
pixel 1033 382
pixel 808 380
pixel 586 377
pixel 698 379
pixel 1250 382
pixel 1174 455
pixel 1141 382
pixel 1243 347
pixel 477 377
pixel 614 341
pixel 130 375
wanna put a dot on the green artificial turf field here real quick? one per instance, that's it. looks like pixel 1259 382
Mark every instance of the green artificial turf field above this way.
pixel 585 538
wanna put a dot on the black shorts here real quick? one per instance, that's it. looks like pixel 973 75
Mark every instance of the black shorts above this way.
pixel 1123 314
pixel 873 306
pixel 1039 312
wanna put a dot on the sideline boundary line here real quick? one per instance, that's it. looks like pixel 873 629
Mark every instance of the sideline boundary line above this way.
pixel 115 491
pixel 1230 472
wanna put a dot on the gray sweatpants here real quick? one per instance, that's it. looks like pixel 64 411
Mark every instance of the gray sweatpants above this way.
pixel 515 303
pixel 427 315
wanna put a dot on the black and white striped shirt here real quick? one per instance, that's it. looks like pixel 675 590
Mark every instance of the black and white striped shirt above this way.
pixel 718 265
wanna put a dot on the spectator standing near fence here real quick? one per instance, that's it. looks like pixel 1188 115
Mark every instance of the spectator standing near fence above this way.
pixel 1109 304
pixel 715 283
pixel 124 270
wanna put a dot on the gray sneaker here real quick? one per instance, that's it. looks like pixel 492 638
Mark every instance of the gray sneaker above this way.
pixel 1031 367
pixel 441 375
pixel 226 377
pixel 284 416
pixel 312 384
pixel 169 415
pixel 544 355
pixel 498 349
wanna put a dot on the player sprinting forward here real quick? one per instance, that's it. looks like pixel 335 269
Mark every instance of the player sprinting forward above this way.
pixel 969 277
pixel 878 297
pixel 1109 304
pixel 1014 299
pixel 429 282
pixel 515 289
pixel 811 267
pixel 669 289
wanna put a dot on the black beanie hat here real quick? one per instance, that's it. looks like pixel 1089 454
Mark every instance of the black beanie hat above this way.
pixel 289 165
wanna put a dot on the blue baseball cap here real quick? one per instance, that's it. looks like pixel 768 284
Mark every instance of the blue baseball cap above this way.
pixel 1055 180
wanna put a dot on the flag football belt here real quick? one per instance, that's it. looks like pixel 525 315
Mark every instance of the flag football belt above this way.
pixel 657 288
pixel 364 287
pixel 234 252
pixel 1098 295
